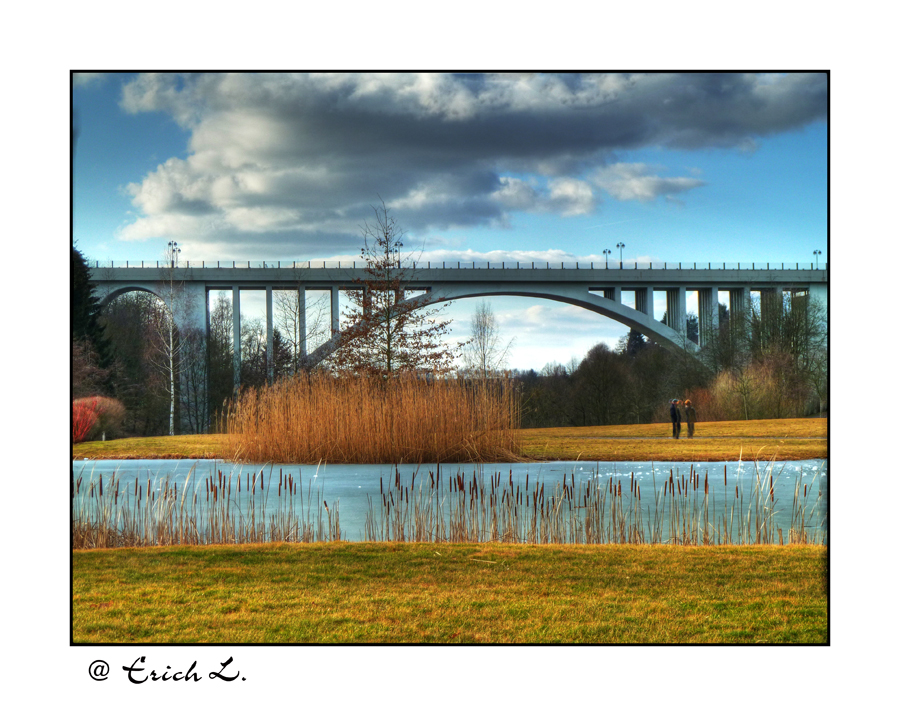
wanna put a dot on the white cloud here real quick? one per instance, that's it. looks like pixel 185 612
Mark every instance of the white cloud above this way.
pixel 571 196
pixel 628 182
pixel 516 194
pixel 564 196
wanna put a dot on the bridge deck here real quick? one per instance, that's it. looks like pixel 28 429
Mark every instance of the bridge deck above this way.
pixel 422 276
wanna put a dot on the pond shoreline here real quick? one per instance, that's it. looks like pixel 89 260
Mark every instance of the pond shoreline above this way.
pixel 791 439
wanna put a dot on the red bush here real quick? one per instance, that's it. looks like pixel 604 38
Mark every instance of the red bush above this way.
pixel 84 415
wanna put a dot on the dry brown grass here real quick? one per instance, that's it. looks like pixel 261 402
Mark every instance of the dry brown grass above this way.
pixel 784 428
pixel 315 418
pixel 796 439
pixel 793 439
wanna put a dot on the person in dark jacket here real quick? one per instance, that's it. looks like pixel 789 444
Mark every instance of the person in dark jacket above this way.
pixel 691 416
pixel 675 414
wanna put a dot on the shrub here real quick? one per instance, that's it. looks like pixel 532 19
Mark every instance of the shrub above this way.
pixel 110 416
pixel 95 416
pixel 84 417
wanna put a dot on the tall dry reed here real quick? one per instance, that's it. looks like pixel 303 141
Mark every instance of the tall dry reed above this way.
pixel 441 506
pixel 682 510
pixel 405 419
pixel 220 509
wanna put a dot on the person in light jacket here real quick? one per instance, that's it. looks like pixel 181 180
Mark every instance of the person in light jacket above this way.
pixel 691 416
pixel 675 414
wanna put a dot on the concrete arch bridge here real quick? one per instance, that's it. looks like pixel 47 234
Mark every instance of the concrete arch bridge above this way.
pixel 598 288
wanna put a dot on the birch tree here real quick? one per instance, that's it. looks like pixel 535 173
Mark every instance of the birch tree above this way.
pixel 171 353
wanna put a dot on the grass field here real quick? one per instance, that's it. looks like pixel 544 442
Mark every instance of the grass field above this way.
pixel 448 593
pixel 795 439
pixel 415 593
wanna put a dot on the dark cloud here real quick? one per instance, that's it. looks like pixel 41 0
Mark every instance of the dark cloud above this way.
pixel 299 156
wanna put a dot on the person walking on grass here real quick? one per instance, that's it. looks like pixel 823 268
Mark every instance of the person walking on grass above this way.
pixel 691 416
pixel 675 414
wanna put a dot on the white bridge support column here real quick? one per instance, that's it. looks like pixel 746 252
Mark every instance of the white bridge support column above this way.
pixel 818 294
pixel 676 316
pixel 335 310
pixel 709 314
pixel 196 308
pixel 270 337
pixel 643 301
pixel 771 300
pixel 613 294
pixel 236 335
pixel 191 314
pixel 739 305
pixel 301 315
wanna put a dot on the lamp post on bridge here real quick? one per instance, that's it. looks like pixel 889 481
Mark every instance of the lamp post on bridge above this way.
pixel 817 253
pixel 606 253
pixel 620 246
pixel 173 252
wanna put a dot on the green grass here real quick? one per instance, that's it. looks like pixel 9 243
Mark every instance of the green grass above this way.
pixel 796 439
pixel 416 593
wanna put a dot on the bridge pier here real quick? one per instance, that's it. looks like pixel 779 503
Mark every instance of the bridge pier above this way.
pixel 739 304
pixel 335 309
pixel 676 315
pixel 301 320
pixel 613 294
pixel 270 338
pixel 771 302
pixel 236 336
pixel 643 300
pixel 709 314
pixel 819 295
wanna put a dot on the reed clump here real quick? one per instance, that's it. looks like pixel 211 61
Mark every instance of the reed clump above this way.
pixel 221 509
pixel 368 419
pixel 683 510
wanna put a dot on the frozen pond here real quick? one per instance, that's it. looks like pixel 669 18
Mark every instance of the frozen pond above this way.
pixel 666 502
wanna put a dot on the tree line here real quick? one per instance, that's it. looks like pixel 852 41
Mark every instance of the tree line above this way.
pixel 771 361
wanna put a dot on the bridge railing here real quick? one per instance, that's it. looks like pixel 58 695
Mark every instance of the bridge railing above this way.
pixel 491 265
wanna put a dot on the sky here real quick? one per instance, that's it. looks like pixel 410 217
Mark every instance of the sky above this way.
pixel 689 167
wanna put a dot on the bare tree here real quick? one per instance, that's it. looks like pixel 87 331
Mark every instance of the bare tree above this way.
pixel 194 380
pixel 387 332
pixel 220 354
pixel 485 355
pixel 88 377
pixel 127 322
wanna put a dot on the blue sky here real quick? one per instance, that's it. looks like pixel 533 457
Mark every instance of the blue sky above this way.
pixel 678 167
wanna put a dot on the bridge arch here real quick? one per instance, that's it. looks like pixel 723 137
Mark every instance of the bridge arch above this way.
pixel 659 332
pixel 121 291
